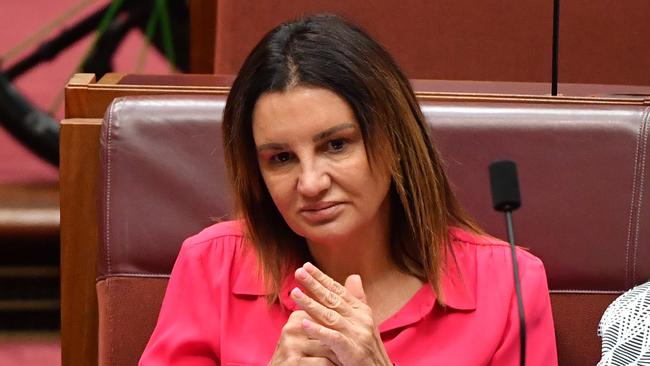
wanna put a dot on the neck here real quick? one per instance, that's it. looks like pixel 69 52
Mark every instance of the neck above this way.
pixel 366 253
pixel 363 256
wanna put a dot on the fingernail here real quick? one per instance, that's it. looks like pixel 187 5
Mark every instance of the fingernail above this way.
pixel 306 324
pixel 301 273
pixel 296 293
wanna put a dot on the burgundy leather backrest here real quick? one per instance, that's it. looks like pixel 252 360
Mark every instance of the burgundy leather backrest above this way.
pixel 582 170
pixel 582 176
pixel 163 180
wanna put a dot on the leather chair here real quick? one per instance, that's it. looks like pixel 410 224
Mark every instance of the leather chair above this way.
pixel 582 169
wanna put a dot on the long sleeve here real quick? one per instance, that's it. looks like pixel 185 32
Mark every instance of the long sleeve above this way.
pixel 187 329
pixel 540 333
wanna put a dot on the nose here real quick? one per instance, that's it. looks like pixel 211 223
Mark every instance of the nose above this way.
pixel 313 179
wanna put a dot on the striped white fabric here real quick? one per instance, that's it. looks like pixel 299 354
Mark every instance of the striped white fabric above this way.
pixel 625 329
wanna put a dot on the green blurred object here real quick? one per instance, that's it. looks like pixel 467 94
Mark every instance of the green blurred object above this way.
pixel 168 44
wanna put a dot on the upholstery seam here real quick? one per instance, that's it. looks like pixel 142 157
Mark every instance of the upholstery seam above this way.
pixel 107 223
pixel 576 291
pixel 644 144
pixel 108 188
pixel 134 274
pixel 632 205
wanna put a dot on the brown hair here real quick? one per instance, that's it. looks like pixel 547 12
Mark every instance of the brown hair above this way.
pixel 328 52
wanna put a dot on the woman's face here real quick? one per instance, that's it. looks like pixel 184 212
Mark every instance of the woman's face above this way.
pixel 313 160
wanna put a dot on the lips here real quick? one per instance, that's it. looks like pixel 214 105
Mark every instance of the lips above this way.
pixel 321 211
pixel 318 206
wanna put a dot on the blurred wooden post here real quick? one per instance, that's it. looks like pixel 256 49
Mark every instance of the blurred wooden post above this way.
pixel 79 178
pixel 203 35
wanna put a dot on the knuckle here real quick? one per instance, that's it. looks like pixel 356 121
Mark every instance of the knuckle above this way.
pixel 337 338
pixel 330 317
pixel 319 292
pixel 294 360
pixel 367 314
pixel 309 281
pixel 297 315
pixel 312 306
pixel 368 322
pixel 287 328
pixel 333 300
pixel 294 321
pixel 365 336
pixel 338 289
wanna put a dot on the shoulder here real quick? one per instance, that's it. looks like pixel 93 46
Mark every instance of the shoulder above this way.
pixel 224 257
pixel 490 249
pixel 219 231
pixel 218 246
pixel 481 268
pixel 223 236
pixel 488 260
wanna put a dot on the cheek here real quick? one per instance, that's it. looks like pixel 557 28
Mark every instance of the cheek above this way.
pixel 280 189
pixel 367 180
pixel 375 184
pixel 380 187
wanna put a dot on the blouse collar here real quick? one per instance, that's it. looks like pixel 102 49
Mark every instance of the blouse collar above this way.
pixel 458 283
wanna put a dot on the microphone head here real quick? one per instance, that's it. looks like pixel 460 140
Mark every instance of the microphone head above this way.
pixel 505 186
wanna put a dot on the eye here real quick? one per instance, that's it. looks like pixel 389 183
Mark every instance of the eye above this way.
pixel 281 158
pixel 337 144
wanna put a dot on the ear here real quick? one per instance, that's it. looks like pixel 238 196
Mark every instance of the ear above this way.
pixel 355 287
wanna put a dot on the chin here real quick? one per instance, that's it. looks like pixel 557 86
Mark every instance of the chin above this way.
pixel 325 233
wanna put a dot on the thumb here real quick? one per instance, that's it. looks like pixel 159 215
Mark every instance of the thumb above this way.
pixel 354 285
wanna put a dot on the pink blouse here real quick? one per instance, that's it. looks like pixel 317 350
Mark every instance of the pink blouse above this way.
pixel 215 311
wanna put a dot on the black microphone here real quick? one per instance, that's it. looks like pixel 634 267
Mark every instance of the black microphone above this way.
pixel 506 198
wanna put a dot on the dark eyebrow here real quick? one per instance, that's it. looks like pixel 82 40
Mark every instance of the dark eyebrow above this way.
pixel 318 137
pixel 332 130
pixel 271 146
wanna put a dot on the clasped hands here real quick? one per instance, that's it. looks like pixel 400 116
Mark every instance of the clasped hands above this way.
pixel 334 326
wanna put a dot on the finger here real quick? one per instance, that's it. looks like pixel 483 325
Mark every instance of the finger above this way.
pixel 320 293
pixel 293 326
pixel 297 316
pixel 327 282
pixel 331 338
pixel 355 287
pixel 316 361
pixel 316 310
pixel 314 348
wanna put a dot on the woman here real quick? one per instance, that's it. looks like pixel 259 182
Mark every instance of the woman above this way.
pixel 351 248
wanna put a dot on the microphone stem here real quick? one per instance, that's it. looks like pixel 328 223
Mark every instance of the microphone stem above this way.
pixel 511 229
pixel 556 46
pixel 520 303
